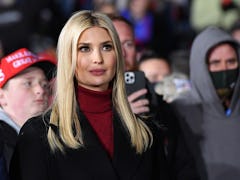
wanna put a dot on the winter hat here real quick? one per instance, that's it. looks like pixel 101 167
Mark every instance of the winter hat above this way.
pixel 19 60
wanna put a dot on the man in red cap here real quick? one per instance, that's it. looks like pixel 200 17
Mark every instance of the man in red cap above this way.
pixel 24 93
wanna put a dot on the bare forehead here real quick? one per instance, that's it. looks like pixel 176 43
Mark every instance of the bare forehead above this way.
pixel 222 48
pixel 225 45
pixel 123 27
pixel 94 34
pixel 154 62
pixel 31 70
pixel 222 51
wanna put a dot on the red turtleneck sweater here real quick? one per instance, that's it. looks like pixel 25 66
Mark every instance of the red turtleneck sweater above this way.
pixel 97 107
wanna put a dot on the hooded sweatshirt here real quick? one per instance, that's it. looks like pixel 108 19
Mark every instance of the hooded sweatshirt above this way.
pixel 212 133
pixel 8 136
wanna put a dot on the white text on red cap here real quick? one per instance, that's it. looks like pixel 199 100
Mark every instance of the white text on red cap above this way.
pixel 18 55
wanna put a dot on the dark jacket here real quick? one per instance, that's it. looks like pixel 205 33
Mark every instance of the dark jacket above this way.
pixel 33 160
pixel 180 160
pixel 3 169
pixel 8 139
pixel 212 132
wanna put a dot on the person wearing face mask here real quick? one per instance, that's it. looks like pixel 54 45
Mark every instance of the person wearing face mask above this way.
pixel 223 73
pixel 209 112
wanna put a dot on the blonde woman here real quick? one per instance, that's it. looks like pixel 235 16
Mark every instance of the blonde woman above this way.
pixel 90 131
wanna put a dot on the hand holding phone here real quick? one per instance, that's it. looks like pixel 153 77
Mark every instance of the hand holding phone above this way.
pixel 136 91
pixel 135 80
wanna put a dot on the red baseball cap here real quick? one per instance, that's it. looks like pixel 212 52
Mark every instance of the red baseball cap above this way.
pixel 19 60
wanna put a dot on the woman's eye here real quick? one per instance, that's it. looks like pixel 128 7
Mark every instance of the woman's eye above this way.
pixel 107 47
pixel 84 49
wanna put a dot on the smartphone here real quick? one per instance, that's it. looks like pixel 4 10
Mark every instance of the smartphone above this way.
pixel 135 80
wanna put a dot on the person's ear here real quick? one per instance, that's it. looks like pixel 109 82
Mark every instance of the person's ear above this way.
pixel 2 98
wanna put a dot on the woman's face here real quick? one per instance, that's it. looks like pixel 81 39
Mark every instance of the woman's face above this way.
pixel 96 59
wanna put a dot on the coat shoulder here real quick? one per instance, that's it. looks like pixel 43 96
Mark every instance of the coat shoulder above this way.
pixel 35 128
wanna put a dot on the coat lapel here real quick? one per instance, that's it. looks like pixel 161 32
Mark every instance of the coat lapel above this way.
pixel 125 159
pixel 95 149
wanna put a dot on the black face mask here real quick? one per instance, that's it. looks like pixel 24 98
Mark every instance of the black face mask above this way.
pixel 224 81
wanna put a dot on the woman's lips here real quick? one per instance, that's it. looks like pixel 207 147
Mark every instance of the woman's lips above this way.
pixel 97 72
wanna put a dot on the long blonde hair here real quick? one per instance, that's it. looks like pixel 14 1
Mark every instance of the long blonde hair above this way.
pixel 64 107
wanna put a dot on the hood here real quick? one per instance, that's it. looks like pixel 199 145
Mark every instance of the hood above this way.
pixel 199 74
pixel 5 118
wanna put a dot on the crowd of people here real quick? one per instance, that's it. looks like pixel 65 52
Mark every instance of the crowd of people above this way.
pixel 65 110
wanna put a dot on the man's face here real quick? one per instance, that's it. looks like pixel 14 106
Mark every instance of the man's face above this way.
pixel 25 95
pixel 155 69
pixel 223 68
pixel 222 57
pixel 128 45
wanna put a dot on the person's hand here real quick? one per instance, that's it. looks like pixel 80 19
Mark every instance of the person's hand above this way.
pixel 141 105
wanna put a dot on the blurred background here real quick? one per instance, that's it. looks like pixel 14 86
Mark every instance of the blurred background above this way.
pixel 165 26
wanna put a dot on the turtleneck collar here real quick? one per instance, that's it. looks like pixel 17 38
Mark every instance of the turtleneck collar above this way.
pixel 94 101
pixel 97 107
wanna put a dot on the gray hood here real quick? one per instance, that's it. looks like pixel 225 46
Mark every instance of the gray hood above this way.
pixel 212 134
pixel 199 74
pixel 5 118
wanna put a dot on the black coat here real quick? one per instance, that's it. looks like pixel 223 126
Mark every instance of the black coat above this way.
pixel 33 160
pixel 3 169
pixel 180 160
pixel 8 139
